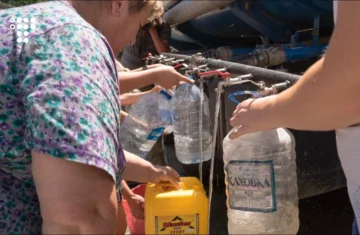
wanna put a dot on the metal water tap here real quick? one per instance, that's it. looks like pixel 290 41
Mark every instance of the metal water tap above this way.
pixel 194 59
pixel 165 60
pixel 181 66
pixel 157 59
pixel 147 59
pixel 274 89
pixel 235 81
pixel 222 73
pixel 176 62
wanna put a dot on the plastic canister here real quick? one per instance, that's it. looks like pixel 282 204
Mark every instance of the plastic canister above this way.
pixel 176 211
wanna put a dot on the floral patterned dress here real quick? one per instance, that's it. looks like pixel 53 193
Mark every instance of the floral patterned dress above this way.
pixel 58 96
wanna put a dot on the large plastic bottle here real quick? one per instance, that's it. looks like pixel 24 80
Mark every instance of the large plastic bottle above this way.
pixel 146 122
pixel 261 183
pixel 186 122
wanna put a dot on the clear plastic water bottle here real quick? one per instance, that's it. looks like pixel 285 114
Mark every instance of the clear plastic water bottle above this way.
pixel 261 183
pixel 186 122
pixel 146 122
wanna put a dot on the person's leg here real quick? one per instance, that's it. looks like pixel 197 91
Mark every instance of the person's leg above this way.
pixel 355 228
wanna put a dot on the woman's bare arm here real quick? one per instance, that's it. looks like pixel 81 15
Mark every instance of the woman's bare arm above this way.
pixel 327 95
pixel 164 76
pixel 132 98
pixel 74 198
pixel 152 66
pixel 142 171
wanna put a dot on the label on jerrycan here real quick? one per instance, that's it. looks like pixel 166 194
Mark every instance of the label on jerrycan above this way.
pixel 181 224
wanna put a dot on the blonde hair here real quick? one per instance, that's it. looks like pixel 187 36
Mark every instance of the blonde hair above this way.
pixel 157 9
pixel 135 6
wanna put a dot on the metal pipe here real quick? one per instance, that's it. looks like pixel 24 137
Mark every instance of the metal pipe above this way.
pixel 277 55
pixel 268 57
pixel 316 30
pixel 201 86
pixel 241 51
pixel 226 53
pixel 169 3
pixel 236 68
pixel 301 53
pixel 228 82
pixel 190 9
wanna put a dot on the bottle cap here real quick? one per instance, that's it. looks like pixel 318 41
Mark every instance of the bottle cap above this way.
pixel 167 95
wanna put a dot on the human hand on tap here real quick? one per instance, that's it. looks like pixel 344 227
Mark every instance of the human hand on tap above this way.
pixel 168 77
pixel 253 115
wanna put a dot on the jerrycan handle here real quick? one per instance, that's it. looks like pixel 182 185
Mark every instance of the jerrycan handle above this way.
pixel 167 186
pixel 237 93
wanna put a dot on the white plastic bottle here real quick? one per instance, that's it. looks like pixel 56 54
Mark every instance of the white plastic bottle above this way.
pixel 186 122
pixel 146 122
pixel 261 183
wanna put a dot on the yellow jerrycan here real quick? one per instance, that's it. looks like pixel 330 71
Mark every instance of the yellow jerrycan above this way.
pixel 176 211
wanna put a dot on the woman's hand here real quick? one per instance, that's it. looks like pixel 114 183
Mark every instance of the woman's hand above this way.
pixel 164 76
pixel 151 66
pixel 136 204
pixel 156 89
pixel 165 174
pixel 253 115
pixel 168 77
pixel 142 171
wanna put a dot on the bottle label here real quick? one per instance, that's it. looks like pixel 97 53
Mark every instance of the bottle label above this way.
pixel 181 224
pixel 151 139
pixel 252 186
